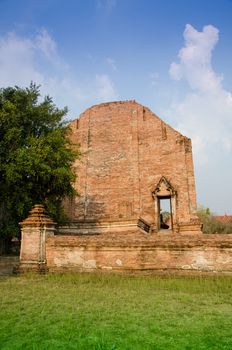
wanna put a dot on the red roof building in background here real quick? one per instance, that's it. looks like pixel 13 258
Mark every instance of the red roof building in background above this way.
pixel 226 219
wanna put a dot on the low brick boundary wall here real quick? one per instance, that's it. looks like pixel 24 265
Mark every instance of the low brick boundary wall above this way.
pixel 138 251
pixel 44 249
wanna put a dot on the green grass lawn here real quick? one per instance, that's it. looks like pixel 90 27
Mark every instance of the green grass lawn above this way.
pixel 97 311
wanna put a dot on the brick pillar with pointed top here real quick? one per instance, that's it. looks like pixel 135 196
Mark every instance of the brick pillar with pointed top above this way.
pixel 34 231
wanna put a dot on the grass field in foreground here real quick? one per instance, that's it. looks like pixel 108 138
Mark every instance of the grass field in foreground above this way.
pixel 97 311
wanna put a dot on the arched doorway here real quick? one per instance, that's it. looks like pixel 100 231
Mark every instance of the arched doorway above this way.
pixel 165 219
pixel 165 205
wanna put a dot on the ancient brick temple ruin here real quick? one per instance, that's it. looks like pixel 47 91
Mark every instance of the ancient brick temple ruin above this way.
pixel 133 167
pixel 131 161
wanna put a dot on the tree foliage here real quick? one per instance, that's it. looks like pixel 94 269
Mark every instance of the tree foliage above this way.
pixel 211 224
pixel 36 156
pixel 166 215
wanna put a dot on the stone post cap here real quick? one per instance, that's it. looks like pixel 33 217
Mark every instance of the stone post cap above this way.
pixel 37 217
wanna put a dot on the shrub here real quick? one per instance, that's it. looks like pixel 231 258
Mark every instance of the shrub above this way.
pixel 211 224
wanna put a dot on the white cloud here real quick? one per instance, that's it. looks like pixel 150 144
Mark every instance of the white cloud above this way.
pixel 16 57
pixel 195 59
pixel 205 114
pixel 154 78
pixel 107 5
pixel 46 44
pixel 105 88
pixel 175 71
pixel 24 59
pixel 36 58
pixel 111 62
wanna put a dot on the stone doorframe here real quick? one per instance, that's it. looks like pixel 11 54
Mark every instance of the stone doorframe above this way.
pixel 164 190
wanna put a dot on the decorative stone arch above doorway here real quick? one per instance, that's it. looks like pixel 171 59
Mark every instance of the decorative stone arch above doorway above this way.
pixel 165 190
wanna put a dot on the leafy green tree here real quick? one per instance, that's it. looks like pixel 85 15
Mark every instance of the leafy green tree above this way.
pixel 36 156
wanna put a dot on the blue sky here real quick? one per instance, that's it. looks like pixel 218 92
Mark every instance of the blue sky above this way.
pixel 173 56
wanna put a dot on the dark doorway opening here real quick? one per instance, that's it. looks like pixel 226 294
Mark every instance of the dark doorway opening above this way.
pixel 165 219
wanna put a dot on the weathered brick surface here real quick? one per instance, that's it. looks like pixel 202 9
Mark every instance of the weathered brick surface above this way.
pixel 35 230
pixel 126 151
pixel 183 252
pixel 130 160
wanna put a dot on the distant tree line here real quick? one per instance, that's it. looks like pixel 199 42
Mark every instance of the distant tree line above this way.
pixel 211 224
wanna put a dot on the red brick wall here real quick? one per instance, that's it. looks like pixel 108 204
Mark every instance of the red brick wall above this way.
pixel 157 252
pixel 30 244
pixel 126 150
